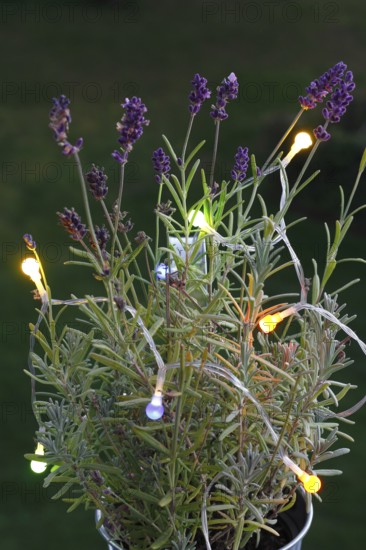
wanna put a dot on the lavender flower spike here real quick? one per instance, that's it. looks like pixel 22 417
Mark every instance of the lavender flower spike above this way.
pixel 340 99
pixel 102 234
pixel 199 93
pixel 240 167
pixel 97 180
pixel 227 91
pixel 130 128
pixel 161 164
pixel 60 119
pixel 322 86
pixel 71 221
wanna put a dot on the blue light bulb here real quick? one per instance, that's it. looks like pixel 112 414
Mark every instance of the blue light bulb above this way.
pixel 161 271
pixel 155 408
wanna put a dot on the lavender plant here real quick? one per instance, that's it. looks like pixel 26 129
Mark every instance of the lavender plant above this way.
pixel 190 403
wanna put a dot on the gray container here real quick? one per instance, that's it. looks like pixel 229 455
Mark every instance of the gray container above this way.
pixel 296 521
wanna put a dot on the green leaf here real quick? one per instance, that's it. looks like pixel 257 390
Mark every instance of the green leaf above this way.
pixel 163 539
pixel 228 430
pixel 115 365
pixel 363 162
pixel 150 440
pixel 76 503
pixel 194 152
pixel 166 500
pixel 192 174
pixel 63 490
pixel 127 401
pixel 328 472
pixel 170 148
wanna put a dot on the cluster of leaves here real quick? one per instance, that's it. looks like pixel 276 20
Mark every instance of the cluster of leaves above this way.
pixel 211 468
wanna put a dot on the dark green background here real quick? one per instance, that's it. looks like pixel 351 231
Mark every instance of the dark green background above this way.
pixel 100 53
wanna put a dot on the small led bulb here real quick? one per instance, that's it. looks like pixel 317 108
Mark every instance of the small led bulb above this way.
pixel 162 270
pixel 269 322
pixel 30 267
pixel 36 466
pixel 302 141
pixel 312 483
pixel 199 221
pixel 155 408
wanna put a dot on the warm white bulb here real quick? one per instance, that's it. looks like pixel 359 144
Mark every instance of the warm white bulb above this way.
pixel 303 140
pixel 36 466
pixel 199 219
pixel 30 267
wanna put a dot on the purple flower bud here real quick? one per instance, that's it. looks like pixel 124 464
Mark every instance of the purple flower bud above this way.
pixel 71 221
pixel 130 128
pixel 227 91
pixel 97 180
pixel 240 167
pixel 60 119
pixel 321 134
pixel 161 164
pixel 102 235
pixel 339 100
pixel 121 158
pixel 199 93
pixel 29 242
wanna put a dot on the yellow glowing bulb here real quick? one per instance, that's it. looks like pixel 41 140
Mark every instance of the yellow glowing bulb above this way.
pixel 30 267
pixel 312 483
pixel 36 466
pixel 198 220
pixel 302 141
pixel 269 322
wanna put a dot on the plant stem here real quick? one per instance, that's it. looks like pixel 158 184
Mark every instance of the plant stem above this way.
pixel 289 129
pixel 187 138
pixel 158 223
pixel 308 160
pixel 349 202
pixel 110 223
pixel 214 153
pixel 87 209
pixel 117 209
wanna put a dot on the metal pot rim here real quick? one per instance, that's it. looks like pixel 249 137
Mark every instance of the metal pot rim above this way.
pixel 291 545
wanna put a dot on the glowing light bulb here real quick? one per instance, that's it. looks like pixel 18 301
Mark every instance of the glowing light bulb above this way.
pixel 302 141
pixel 36 466
pixel 311 483
pixel 198 220
pixel 155 408
pixel 30 267
pixel 269 322
pixel 162 270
